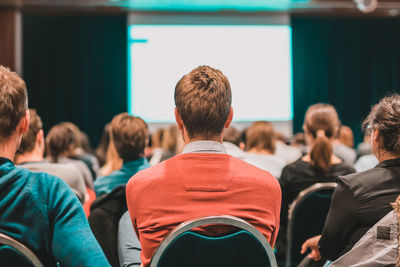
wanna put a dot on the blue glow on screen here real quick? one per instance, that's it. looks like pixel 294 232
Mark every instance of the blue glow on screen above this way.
pixel 257 59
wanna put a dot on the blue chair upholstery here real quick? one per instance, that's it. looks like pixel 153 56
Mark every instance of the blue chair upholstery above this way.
pixel 245 247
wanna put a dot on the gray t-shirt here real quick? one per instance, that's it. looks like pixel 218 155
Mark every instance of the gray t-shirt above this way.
pixel 67 172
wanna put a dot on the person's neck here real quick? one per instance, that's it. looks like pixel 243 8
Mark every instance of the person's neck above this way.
pixel 33 156
pixel 188 140
pixel 387 156
pixel 9 147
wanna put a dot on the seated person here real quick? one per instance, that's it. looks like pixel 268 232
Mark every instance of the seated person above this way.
pixel 128 243
pixel 30 156
pixel 260 147
pixel 38 209
pixel 320 165
pixel 60 144
pixel 379 246
pixel 129 135
pixel 362 199
pixel 343 145
pixel 203 180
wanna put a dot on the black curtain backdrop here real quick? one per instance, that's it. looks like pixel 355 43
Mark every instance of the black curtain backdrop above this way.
pixel 75 68
pixel 348 62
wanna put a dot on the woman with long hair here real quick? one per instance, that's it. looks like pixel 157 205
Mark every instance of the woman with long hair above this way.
pixel 319 165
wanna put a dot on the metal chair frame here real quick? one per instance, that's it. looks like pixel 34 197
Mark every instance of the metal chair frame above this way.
pixel 6 240
pixel 294 205
pixel 220 220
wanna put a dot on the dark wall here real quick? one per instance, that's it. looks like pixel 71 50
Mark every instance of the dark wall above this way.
pixel 348 62
pixel 75 68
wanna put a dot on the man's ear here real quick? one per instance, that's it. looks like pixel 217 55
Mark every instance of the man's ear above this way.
pixel 178 119
pixel 229 120
pixel 24 122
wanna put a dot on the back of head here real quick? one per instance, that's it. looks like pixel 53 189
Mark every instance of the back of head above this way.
pixel 203 99
pixel 385 117
pixel 28 140
pixel 346 136
pixel 157 137
pixel 232 135
pixel 261 136
pixel 13 102
pixel 322 123
pixel 59 141
pixel 129 135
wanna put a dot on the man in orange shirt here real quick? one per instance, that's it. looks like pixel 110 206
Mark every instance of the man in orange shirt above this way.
pixel 203 180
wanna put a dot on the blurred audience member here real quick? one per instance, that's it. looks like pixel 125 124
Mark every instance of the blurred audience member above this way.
pixel 172 143
pixel 82 149
pixel 232 140
pixel 364 148
pixel 60 143
pixel 113 161
pixel 299 141
pixel 30 155
pixel 203 180
pixel 260 147
pixel 346 136
pixel 38 209
pixel 360 200
pixel 288 153
pixel 321 124
pixel 366 162
pixel 343 145
pixel 101 150
pixel 157 151
pixel 129 135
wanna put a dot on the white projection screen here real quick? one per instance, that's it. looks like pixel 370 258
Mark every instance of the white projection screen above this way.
pixel 255 55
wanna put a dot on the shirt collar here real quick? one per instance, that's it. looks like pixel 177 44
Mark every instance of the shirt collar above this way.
pixel 204 147
pixel 135 163
pixel 389 162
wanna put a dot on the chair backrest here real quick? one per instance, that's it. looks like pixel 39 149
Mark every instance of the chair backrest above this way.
pixel 306 218
pixel 182 247
pixel 14 253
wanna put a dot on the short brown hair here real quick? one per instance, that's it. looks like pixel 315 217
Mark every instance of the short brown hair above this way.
pixel 203 99
pixel 58 141
pixel 261 136
pixel 28 140
pixel 129 135
pixel 13 101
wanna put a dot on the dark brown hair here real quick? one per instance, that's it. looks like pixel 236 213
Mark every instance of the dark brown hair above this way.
pixel 13 102
pixel 261 136
pixel 322 122
pixel 203 99
pixel 385 117
pixel 58 141
pixel 28 140
pixel 129 135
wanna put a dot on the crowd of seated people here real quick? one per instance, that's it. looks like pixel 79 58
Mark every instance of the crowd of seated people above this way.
pixel 137 186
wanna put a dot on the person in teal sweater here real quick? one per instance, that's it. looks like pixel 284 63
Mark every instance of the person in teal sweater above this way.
pixel 129 135
pixel 38 209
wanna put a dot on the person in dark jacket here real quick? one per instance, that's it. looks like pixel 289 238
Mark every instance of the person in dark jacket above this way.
pixel 362 199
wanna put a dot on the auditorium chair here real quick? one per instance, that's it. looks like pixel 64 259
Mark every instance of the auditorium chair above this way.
pixel 245 247
pixel 306 218
pixel 14 253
